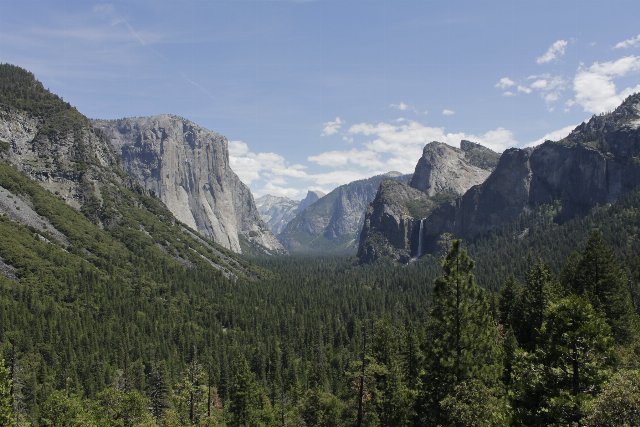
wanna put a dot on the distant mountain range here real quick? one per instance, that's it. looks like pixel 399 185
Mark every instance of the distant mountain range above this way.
pixel 332 224
pixel 277 211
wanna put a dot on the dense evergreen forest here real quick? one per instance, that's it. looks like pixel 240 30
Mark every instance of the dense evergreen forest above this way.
pixel 133 320
pixel 322 341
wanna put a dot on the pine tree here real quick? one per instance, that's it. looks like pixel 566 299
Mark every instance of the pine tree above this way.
pixel 463 341
pixel 158 390
pixel 570 365
pixel 244 395
pixel 540 288
pixel 190 393
pixel 601 279
pixel 391 398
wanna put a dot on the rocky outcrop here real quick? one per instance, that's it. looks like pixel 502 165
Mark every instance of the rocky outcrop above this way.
pixel 595 165
pixel 446 169
pixel 443 173
pixel 277 212
pixel 67 163
pixel 333 223
pixel 311 197
pixel 187 167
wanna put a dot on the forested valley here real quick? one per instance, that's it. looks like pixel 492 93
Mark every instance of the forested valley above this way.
pixel 116 314
pixel 540 332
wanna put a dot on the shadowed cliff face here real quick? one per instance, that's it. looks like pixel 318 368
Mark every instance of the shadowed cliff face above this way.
pixel 187 167
pixel 594 165
pixel 392 223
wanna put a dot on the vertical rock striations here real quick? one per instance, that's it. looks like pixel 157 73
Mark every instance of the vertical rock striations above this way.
pixel 187 167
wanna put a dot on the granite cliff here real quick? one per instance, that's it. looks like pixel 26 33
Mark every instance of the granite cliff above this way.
pixel 394 220
pixel 50 153
pixel 333 223
pixel 187 167
pixel 597 163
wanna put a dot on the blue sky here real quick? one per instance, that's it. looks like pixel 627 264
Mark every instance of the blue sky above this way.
pixel 313 94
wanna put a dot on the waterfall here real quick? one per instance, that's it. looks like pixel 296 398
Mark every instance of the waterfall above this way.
pixel 420 238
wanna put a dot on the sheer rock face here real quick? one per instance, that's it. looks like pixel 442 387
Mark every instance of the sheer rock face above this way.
pixel 333 223
pixel 277 212
pixel 446 169
pixel 392 223
pixel 598 162
pixel 390 229
pixel 187 167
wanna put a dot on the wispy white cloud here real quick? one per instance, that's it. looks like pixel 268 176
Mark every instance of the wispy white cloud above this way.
pixel 549 87
pixel 376 148
pixel 447 112
pixel 555 51
pixel 403 106
pixel 332 127
pixel 505 83
pixel 595 87
pixel 524 89
pixel 632 42
pixel 555 135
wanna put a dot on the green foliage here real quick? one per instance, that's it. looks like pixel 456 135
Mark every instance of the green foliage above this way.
pixel 115 407
pixel 245 396
pixel 190 394
pixel 601 279
pixel 322 409
pixel 7 416
pixel 20 90
pixel 540 288
pixel 618 404
pixel 573 359
pixel 63 409
pixel 463 340
pixel 473 404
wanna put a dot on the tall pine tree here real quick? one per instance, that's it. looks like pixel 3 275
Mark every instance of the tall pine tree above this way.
pixel 463 343
pixel 602 280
